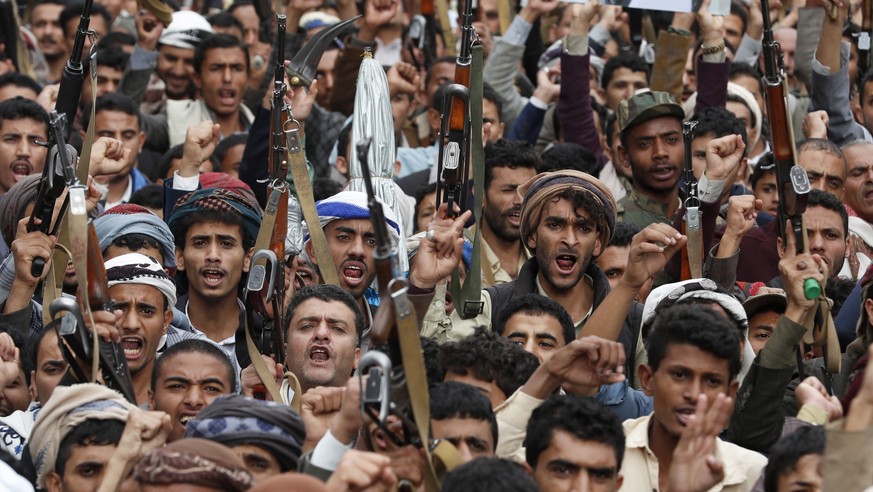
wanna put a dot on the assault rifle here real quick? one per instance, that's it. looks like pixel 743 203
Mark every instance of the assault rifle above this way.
pixel 792 180
pixel 73 75
pixel 455 126
pixel 265 288
pixel 692 253
pixel 77 343
pixel 57 172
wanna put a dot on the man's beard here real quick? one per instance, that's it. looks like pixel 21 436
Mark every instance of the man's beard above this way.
pixel 499 224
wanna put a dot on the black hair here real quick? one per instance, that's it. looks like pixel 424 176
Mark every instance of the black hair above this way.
pixel 623 234
pixel 226 20
pixel 323 188
pixel 765 165
pixel 513 154
pixel 719 122
pixel 454 400
pixel 584 418
pixel 114 101
pixel 625 60
pixel 218 41
pixel 36 3
pixel 680 324
pixel 489 475
pixel 225 144
pixel 20 342
pixel 237 4
pixel 821 145
pixel 166 162
pixel 149 196
pixel 420 193
pixel 838 289
pixel 740 69
pixel 19 79
pixel 115 38
pixel 111 56
pixel 733 97
pixel 739 10
pixel 535 304
pixel 33 349
pixel 430 350
pixel 194 346
pixel 569 155
pixel 74 11
pixel 442 59
pixel 326 293
pixel 818 198
pixel 19 108
pixel 91 432
pixel 489 94
pixel 787 452
pixel 489 357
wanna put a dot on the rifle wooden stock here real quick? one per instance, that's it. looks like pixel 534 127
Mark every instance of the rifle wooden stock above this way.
pixel 98 286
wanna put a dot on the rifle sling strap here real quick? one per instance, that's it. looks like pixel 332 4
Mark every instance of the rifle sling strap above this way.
pixel 416 384
pixel 77 228
pixel 54 282
pixel 260 366
pixel 263 242
pixel 300 175
pixel 470 294
pixel 442 8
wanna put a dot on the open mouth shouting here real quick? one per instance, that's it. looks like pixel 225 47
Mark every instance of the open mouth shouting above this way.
pixel 663 173
pixel 21 168
pixel 212 277
pixel 566 263
pixel 514 217
pixel 227 96
pixel 354 273
pixel 684 413
pixel 186 417
pixel 319 355
pixel 133 347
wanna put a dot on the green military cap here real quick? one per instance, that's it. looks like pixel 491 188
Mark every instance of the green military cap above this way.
pixel 645 106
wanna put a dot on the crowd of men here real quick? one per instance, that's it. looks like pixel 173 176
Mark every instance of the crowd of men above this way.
pixel 591 360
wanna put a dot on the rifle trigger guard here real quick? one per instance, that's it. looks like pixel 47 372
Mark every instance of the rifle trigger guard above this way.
pixel 376 393
pixel 258 276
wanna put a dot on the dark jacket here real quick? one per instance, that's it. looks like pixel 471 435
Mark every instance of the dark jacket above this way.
pixel 526 284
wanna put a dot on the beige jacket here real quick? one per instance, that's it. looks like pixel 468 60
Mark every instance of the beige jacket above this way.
pixel 640 467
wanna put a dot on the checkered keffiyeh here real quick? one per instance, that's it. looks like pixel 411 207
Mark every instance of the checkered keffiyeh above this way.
pixel 220 200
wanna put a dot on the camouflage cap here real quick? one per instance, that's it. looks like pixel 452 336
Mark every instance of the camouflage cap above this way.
pixel 645 106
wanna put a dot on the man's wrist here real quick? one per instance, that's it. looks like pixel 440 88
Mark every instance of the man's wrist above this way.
pixel 529 14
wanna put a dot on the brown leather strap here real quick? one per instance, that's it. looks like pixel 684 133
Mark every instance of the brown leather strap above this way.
pixel 326 266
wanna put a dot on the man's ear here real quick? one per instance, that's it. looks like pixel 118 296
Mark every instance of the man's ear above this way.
pixel 531 240
pixel 598 249
pixel 53 482
pixel 198 82
pixel 645 373
pixel 247 264
pixel 32 388
pixel 342 165
pixel 357 357
pixel 780 247
pixel 527 468
pixel 152 405
pixel 732 389
pixel 168 318
pixel 623 158
pixel 180 261
pixel 433 119
pixel 311 253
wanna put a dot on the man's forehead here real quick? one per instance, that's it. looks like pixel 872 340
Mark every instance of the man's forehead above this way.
pixel 9 125
pixel 859 154
pixel 211 227
pixel 225 56
pixel 315 307
pixel 562 206
pixel 137 292
pixel 832 218
pixel 193 366
pixel 360 226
